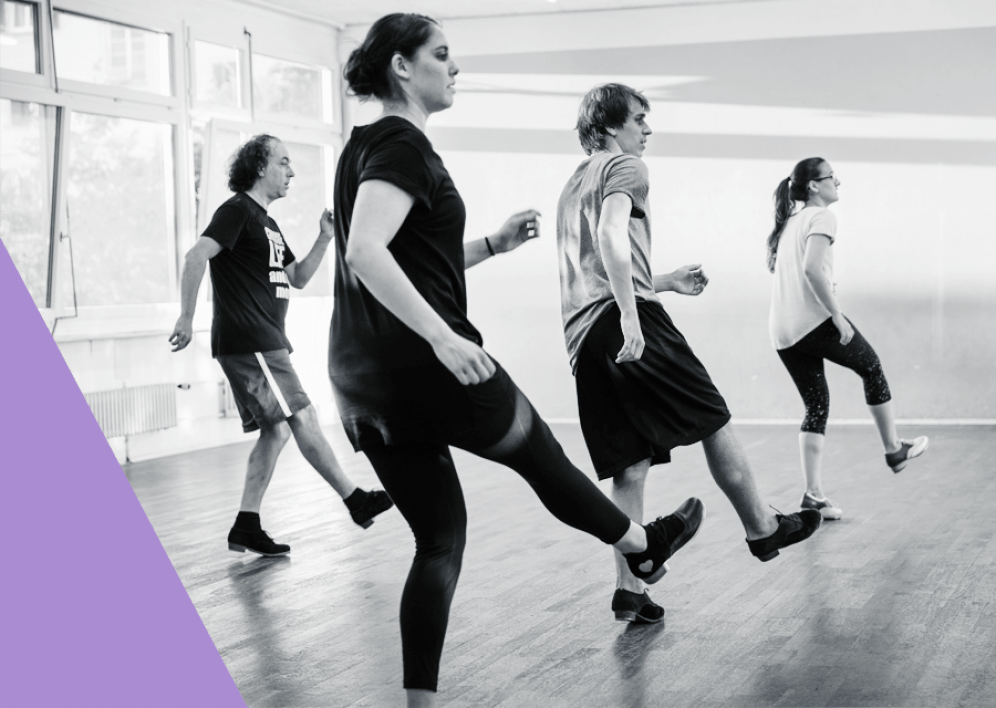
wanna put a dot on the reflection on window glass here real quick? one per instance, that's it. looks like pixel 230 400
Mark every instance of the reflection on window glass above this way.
pixel 110 54
pixel 217 77
pixel 298 213
pixel 19 36
pixel 285 87
pixel 119 205
pixel 197 136
pixel 212 177
pixel 27 141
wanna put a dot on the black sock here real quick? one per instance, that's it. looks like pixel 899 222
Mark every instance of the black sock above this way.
pixel 355 500
pixel 247 521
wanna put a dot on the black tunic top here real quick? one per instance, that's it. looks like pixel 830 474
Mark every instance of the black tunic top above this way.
pixel 388 383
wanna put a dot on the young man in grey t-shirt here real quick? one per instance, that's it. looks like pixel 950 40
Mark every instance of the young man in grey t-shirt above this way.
pixel 641 390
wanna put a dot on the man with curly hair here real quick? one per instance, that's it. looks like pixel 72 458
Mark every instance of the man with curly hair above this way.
pixel 252 271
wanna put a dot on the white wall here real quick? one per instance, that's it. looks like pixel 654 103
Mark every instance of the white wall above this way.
pixel 741 92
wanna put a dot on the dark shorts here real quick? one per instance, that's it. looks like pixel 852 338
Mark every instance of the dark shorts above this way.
pixel 643 409
pixel 265 387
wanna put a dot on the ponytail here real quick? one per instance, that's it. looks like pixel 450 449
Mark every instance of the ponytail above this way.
pixel 784 204
pixel 791 190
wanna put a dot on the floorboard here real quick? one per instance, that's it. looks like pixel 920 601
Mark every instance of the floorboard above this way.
pixel 894 605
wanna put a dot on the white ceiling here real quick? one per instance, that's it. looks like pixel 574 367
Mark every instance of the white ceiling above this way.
pixel 358 12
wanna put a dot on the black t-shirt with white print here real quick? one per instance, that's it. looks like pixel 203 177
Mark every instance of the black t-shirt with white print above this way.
pixel 251 290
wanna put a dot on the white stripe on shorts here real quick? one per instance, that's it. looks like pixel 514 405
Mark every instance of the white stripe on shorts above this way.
pixel 273 385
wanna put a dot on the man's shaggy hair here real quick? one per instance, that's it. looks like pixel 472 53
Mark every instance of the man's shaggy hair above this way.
pixel 248 163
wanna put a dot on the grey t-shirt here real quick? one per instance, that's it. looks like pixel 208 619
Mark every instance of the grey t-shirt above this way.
pixel 585 293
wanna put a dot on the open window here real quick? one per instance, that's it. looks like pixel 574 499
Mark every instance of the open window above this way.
pixel 29 135
pixel 219 73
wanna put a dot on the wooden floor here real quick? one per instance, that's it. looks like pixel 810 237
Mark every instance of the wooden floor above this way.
pixel 894 605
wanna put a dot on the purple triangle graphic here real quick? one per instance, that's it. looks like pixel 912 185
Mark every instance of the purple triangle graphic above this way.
pixel 94 614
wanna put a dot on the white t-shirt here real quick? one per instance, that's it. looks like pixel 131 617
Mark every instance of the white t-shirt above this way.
pixel 795 309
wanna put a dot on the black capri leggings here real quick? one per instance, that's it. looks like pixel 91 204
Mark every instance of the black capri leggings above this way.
pixel 804 361
pixel 422 481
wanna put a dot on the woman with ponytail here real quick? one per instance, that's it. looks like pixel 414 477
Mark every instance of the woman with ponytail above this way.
pixel 408 369
pixel 807 326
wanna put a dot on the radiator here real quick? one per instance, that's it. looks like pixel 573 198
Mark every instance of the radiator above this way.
pixel 127 411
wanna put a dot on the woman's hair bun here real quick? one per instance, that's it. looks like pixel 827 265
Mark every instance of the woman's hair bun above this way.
pixel 367 71
pixel 357 73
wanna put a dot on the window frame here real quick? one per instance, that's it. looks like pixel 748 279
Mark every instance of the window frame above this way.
pixel 43 77
pixel 68 97
pixel 179 111
pixel 205 110
pixel 51 219
pixel 285 120
pixel 125 18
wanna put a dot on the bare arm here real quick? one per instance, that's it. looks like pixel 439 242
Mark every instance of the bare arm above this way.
pixel 378 213
pixel 300 272
pixel 194 263
pixel 816 249
pixel 687 280
pixel 617 257
pixel 518 229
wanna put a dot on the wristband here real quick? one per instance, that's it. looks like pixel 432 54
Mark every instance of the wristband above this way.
pixel 488 244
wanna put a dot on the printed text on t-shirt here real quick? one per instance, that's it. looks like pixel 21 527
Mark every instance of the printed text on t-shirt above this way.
pixel 277 261
pixel 276 248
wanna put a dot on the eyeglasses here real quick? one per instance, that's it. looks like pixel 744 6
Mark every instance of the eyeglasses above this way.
pixel 820 179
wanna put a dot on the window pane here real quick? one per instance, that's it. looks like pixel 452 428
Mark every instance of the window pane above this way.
pixel 110 54
pixel 298 213
pixel 27 142
pixel 19 36
pixel 119 203
pixel 217 74
pixel 289 88
pixel 198 131
pixel 211 174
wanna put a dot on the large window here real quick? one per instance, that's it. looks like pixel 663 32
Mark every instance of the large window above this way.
pixel 111 54
pixel 116 128
pixel 27 156
pixel 92 223
pixel 287 88
pixel 217 74
pixel 19 36
pixel 119 196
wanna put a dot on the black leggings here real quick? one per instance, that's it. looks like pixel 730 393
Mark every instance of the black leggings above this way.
pixel 804 361
pixel 422 481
